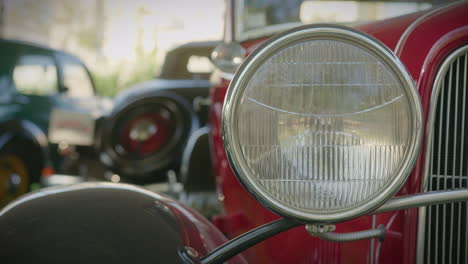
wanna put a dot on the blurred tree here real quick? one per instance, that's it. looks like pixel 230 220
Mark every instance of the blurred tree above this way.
pixel 78 24
pixel 116 38
pixel 36 28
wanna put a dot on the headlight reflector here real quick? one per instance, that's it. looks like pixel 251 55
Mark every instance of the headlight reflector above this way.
pixel 322 123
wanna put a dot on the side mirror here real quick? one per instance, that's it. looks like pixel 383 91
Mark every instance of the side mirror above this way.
pixel 228 56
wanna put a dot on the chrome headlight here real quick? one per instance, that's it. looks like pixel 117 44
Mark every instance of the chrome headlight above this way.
pixel 322 123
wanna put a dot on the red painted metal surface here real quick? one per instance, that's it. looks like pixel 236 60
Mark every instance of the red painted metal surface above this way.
pixel 389 31
pixel 197 232
pixel 426 38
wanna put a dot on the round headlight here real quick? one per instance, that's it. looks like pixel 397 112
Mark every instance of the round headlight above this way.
pixel 322 123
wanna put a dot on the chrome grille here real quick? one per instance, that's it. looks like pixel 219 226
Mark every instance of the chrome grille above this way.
pixel 445 227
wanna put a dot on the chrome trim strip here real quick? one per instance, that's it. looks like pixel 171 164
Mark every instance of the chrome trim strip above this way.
pixel 463 132
pixel 447 129
pixel 236 18
pixel 460 178
pixel 268 49
pixel 229 22
pixel 371 234
pixel 437 89
pixel 416 23
pixel 422 199
pixel 266 31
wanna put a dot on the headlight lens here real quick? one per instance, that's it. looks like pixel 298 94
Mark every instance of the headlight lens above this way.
pixel 322 124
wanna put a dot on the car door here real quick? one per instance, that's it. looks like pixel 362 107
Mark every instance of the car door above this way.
pixel 75 81
pixel 35 79
pixel 73 119
pixel 8 107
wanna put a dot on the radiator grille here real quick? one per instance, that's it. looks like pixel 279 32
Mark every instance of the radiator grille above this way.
pixel 446 232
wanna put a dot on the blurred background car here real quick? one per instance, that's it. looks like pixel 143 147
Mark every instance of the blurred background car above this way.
pixel 124 45
pixel 156 125
pixel 41 88
pixel 151 122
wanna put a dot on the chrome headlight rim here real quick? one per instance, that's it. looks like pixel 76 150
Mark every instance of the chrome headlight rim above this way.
pixel 268 49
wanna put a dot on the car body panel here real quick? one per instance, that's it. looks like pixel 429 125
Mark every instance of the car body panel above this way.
pixel 389 31
pixel 176 61
pixel 422 40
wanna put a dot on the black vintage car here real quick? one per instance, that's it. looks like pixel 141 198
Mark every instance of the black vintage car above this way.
pixel 152 122
pixel 156 133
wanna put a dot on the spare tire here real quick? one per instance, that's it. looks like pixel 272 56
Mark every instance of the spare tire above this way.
pixel 145 134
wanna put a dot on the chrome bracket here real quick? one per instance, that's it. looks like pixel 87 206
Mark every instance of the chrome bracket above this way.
pixel 319 228
pixel 326 232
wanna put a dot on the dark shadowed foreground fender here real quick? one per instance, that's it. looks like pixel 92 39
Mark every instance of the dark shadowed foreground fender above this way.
pixel 29 142
pixel 27 129
pixel 196 168
pixel 101 223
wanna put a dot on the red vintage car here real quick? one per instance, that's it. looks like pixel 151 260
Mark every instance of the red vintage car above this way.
pixel 325 142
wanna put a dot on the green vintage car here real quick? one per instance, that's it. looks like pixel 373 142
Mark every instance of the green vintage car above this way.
pixel 47 100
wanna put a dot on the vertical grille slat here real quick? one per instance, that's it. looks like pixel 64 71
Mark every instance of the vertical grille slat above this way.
pixel 455 154
pixel 429 220
pixel 449 207
pixel 445 233
pixel 462 143
pixel 447 130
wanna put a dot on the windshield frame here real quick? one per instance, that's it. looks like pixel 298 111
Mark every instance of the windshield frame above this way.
pixel 234 9
pixel 234 24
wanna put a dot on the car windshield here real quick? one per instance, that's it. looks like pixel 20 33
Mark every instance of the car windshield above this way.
pixel 255 18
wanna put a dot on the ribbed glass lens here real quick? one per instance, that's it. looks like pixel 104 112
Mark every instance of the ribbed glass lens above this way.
pixel 323 125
